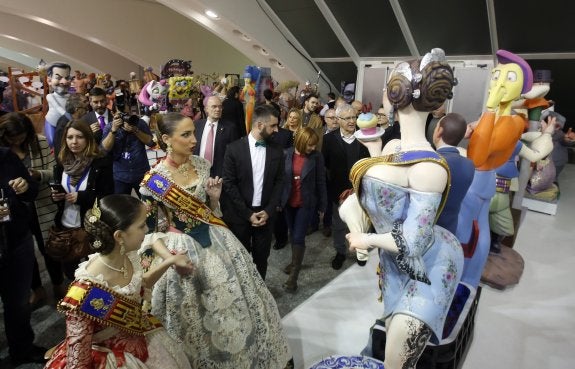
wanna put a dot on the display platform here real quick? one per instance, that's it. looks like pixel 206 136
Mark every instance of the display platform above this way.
pixel 540 206
pixel 544 201
pixel 458 329
pixel 504 269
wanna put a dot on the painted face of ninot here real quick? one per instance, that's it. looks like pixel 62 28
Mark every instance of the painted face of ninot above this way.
pixel 60 80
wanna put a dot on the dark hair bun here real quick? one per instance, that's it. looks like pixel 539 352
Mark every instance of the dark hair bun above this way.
pixel 399 91
pixel 435 87
pixel 425 88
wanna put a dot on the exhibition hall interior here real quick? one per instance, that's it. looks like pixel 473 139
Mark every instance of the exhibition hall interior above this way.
pixel 489 288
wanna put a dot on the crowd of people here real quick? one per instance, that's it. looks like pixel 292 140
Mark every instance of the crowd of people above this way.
pixel 183 246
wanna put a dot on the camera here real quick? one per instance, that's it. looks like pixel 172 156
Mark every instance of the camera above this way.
pixel 131 119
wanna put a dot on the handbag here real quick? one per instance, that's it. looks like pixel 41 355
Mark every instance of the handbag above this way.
pixel 67 244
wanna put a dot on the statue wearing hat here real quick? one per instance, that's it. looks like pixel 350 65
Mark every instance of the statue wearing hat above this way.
pixel 491 144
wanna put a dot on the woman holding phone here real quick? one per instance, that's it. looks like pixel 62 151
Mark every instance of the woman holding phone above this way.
pixel 84 174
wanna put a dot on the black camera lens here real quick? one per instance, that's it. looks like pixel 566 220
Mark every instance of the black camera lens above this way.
pixel 130 119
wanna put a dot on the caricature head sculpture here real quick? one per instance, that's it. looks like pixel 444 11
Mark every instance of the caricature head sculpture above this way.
pixel 59 77
pixel 509 79
pixel 180 87
pixel 425 83
pixel 154 94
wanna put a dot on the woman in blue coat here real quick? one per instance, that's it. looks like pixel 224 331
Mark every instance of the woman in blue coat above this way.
pixel 304 187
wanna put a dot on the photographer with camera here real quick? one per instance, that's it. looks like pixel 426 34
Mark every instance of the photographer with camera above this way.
pixel 126 138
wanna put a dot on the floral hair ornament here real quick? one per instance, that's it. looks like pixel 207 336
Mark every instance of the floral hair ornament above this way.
pixel 96 213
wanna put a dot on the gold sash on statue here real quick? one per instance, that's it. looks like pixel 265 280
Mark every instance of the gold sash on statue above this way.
pixel 170 193
pixel 107 307
pixel 400 159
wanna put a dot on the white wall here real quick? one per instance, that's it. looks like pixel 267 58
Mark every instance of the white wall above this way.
pixel 115 35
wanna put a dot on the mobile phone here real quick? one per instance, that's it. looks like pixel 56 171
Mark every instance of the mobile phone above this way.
pixel 57 187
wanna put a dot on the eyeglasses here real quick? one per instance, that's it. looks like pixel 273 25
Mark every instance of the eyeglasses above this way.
pixel 349 119
pixel 381 115
pixel 330 117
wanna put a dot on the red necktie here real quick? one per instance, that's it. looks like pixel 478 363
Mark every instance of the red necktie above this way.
pixel 209 151
pixel 102 122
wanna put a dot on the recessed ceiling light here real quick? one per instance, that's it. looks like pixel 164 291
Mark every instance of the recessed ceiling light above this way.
pixel 261 50
pixel 276 63
pixel 241 35
pixel 212 14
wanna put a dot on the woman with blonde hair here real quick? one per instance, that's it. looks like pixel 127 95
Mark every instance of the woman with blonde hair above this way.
pixel 294 121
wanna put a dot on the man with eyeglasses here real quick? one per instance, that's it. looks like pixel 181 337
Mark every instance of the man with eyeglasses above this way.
pixel 331 122
pixel 341 151
pixel 382 119
pixel 59 81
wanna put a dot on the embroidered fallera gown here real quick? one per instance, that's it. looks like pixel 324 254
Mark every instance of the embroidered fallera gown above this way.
pixel 89 344
pixel 223 314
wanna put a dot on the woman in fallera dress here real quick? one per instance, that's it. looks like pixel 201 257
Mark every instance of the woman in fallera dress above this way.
pixel 223 314
pixel 105 325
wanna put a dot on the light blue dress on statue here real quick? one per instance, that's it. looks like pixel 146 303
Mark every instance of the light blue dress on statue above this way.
pixel 421 279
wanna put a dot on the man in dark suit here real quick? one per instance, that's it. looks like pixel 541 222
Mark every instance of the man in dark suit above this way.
pixel 253 180
pixel 284 138
pixel 212 145
pixel 100 116
pixel 340 152
pixel 447 134
pixel 233 110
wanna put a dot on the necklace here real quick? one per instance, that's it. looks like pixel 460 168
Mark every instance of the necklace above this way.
pixel 184 169
pixel 123 269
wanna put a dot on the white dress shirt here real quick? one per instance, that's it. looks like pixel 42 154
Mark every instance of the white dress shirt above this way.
pixel 205 134
pixel 258 159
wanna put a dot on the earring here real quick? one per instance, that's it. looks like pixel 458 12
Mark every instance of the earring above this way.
pixel 169 149
pixel 122 248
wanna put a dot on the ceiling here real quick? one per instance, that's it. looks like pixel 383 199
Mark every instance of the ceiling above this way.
pixel 295 38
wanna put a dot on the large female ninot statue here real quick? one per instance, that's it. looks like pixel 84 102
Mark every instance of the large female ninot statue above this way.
pixel 400 191
pixel 491 144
